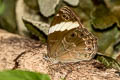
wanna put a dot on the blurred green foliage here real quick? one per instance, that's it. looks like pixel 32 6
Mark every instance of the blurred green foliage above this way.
pixel 22 75
pixel 102 17
pixel 7 16
pixel 2 7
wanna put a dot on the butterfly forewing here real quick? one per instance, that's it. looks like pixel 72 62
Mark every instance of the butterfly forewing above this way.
pixel 68 40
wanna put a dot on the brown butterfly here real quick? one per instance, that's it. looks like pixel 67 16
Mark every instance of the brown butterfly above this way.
pixel 68 39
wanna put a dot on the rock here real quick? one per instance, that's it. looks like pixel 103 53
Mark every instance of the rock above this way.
pixel 72 2
pixel 27 54
pixel 23 10
pixel 44 27
pixel 47 7
pixel 37 28
pixel 33 4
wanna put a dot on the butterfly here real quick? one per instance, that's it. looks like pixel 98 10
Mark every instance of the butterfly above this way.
pixel 68 40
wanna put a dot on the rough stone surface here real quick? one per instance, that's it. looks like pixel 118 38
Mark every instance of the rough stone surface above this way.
pixel 39 24
pixel 23 53
pixel 22 10
pixel 47 7
pixel 72 2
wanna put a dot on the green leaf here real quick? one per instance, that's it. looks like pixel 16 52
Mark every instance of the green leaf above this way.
pixel 22 75
pixel 39 31
pixel 102 18
pixel 108 61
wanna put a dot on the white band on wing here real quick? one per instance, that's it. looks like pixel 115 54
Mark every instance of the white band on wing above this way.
pixel 63 26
